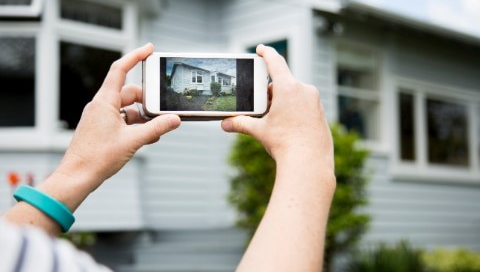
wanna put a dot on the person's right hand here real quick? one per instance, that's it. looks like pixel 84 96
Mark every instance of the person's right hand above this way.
pixel 296 120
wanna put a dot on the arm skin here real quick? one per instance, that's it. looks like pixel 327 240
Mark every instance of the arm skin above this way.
pixel 101 145
pixel 291 235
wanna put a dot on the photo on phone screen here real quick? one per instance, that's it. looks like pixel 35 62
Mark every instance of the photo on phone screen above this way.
pixel 206 84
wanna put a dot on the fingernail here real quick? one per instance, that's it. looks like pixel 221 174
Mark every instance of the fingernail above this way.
pixel 227 125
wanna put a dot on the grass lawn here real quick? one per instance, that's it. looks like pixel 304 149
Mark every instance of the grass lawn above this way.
pixel 222 103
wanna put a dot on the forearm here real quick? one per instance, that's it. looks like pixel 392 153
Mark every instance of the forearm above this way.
pixel 69 190
pixel 291 235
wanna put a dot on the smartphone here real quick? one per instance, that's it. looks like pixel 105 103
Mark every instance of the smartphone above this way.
pixel 204 86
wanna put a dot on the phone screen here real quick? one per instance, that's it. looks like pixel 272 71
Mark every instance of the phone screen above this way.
pixel 206 84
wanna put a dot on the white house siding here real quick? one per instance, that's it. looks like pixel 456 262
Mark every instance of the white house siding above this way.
pixel 187 175
pixel 426 213
pixel 114 206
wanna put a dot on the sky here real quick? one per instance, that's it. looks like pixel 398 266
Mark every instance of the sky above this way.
pixel 459 15
pixel 226 66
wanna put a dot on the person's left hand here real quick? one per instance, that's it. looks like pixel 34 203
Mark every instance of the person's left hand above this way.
pixel 103 142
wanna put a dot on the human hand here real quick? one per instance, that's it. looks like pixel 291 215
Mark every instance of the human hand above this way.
pixel 296 121
pixel 103 143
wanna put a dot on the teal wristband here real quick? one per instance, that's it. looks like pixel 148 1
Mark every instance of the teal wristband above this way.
pixel 48 205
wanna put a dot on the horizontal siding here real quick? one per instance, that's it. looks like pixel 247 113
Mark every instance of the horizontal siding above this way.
pixel 185 26
pixel 187 174
pixel 113 206
pixel 187 178
pixel 437 62
pixel 426 214
pixel 323 73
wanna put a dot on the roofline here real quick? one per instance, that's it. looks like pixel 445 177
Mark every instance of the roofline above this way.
pixel 384 14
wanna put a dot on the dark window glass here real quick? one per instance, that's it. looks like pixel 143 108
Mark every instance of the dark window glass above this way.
pixel 15 2
pixel 447 133
pixel 407 126
pixel 17 77
pixel 83 70
pixel 92 13
pixel 358 115
pixel 281 47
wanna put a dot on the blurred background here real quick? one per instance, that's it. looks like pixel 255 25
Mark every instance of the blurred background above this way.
pixel 399 77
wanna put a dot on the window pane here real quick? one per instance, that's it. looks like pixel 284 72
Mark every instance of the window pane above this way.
pixel 83 69
pixel 359 115
pixel 407 126
pixel 92 13
pixel 16 2
pixel 17 76
pixel 357 68
pixel 447 133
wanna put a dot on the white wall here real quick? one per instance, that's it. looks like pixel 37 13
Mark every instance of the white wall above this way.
pixel 187 174
pixel 114 206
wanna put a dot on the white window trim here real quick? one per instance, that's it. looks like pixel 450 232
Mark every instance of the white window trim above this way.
pixel 49 32
pixel 420 169
pixel 32 10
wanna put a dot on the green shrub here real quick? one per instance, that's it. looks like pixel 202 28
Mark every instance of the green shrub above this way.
pixel 215 87
pixel 346 224
pixel 252 185
pixel 454 260
pixel 384 258
pixel 194 92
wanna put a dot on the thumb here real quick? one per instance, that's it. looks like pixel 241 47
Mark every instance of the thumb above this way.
pixel 151 131
pixel 241 124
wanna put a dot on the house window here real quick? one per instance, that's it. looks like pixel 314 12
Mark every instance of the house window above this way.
pixel 15 2
pixel 358 90
pixel 436 130
pixel 17 76
pixel 96 13
pixel 20 8
pixel 406 106
pixel 51 68
pixel 82 71
pixel 447 132
pixel 197 76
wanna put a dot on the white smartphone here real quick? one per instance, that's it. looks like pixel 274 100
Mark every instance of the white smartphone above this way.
pixel 204 86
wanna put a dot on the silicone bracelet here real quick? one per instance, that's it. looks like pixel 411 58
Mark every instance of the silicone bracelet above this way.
pixel 48 205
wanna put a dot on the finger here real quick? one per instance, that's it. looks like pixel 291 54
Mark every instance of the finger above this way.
pixel 240 124
pixel 133 116
pixel 118 70
pixel 276 64
pixel 131 94
pixel 151 131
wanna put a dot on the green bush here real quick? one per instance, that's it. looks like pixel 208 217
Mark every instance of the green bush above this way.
pixel 194 92
pixel 454 260
pixel 215 87
pixel 346 224
pixel 252 185
pixel 384 258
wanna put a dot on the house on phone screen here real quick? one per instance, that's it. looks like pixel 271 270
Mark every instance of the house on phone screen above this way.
pixel 186 77
pixel 409 87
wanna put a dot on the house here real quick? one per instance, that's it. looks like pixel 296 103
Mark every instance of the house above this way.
pixel 410 88
pixel 187 77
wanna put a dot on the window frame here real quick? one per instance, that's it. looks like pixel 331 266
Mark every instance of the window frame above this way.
pixel 47 134
pixel 197 74
pixel 32 10
pixel 420 168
